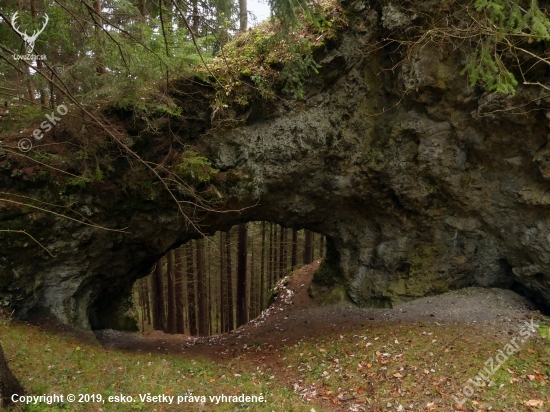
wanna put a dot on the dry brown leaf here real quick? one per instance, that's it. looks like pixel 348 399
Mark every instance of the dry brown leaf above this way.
pixel 535 403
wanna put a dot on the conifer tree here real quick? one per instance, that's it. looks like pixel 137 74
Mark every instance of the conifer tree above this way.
pixel 242 309
pixel 201 283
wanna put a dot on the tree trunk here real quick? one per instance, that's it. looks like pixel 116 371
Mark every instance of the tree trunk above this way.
pixel 195 17
pixel 242 312
pixel 191 290
pixel 142 9
pixel 322 246
pixel 270 259
pixel 98 28
pixel 243 15
pixel 275 272
pixel 9 385
pixel 262 270
pixel 209 316
pixel 171 325
pixel 179 291
pixel 223 289
pixel 147 300
pixel 158 298
pixel 141 299
pixel 253 290
pixel 230 323
pixel 282 254
pixel 308 248
pixel 294 252
pixel 201 283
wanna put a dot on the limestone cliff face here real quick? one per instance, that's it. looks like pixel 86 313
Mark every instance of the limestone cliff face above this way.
pixel 421 182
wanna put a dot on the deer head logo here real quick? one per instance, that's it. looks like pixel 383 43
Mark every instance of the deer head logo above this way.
pixel 29 40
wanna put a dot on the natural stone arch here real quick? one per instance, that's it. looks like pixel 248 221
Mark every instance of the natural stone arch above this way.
pixel 444 190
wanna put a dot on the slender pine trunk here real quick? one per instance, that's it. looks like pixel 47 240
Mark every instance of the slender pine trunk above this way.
pixel 179 290
pixel 159 322
pixel 201 283
pixel 230 317
pixel 242 310
pixel 262 270
pixel 171 293
pixel 192 314
pixel 223 288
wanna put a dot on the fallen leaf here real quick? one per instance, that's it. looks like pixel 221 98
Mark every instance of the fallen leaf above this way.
pixel 536 403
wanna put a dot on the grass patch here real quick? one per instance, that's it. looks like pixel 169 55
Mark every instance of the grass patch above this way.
pixel 54 364
pixel 420 366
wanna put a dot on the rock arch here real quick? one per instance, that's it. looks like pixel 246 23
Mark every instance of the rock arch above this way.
pixel 441 191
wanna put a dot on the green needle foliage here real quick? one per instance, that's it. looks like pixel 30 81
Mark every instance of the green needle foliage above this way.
pixel 505 26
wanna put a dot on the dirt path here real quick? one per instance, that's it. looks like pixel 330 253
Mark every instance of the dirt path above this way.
pixel 295 316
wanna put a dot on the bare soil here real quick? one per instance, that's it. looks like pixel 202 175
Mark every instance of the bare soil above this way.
pixel 295 316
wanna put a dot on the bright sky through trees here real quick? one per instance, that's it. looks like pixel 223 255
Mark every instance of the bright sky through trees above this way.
pixel 259 10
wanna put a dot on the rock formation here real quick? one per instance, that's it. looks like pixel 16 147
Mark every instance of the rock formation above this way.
pixel 420 182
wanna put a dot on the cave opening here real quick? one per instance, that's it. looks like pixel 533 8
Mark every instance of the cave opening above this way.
pixel 217 283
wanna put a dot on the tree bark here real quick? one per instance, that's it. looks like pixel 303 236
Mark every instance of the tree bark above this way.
pixel 9 385
pixel 275 272
pixel 195 20
pixel 294 252
pixel 223 289
pixel 142 9
pixel 159 322
pixel 282 254
pixel 98 28
pixel 242 312
pixel 179 291
pixel 243 15
pixel 308 248
pixel 230 323
pixel 201 283
pixel 146 299
pixel 191 291
pixel 252 290
pixel 171 326
pixel 262 270
pixel 270 259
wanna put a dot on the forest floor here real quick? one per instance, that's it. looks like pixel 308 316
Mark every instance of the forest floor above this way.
pixel 465 350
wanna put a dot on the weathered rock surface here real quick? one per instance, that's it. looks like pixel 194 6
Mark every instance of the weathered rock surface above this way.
pixel 422 183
